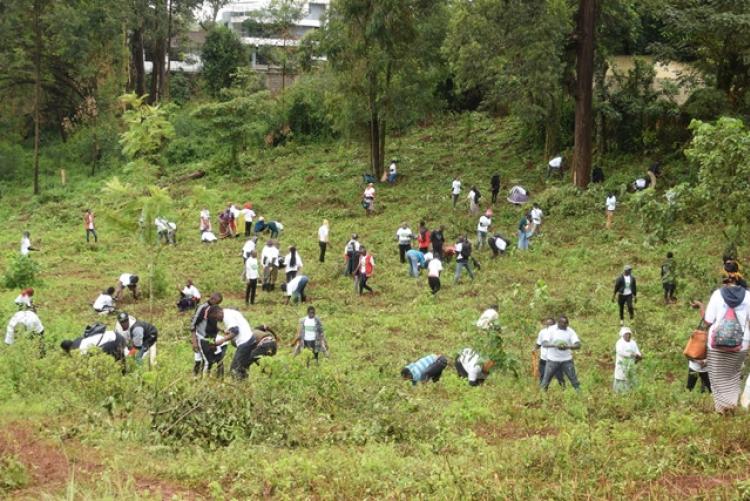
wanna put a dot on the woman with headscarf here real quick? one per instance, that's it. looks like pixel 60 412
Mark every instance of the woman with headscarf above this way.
pixel 627 355
pixel 292 262
pixel 728 338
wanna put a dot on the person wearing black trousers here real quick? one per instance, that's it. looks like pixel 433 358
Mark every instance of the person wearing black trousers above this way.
pixel 495 186
pixel 626 292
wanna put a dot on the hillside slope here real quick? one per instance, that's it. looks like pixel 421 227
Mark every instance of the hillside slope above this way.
pixel 350 427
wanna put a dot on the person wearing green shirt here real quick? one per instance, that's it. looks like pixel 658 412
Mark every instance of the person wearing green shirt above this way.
pixel 669 279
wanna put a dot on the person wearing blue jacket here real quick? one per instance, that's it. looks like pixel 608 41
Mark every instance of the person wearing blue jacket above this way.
pixel 416 261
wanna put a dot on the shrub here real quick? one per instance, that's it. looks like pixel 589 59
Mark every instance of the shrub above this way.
pixel 21 272
pixel 706 103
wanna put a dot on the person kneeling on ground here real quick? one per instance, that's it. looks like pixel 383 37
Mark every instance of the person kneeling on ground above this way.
pixel 425 369
pixel 471 365
pixel 141 336
pixel 105 303
pixel 108 342
pixel 310 336
pixel 190 296
pixel 295 289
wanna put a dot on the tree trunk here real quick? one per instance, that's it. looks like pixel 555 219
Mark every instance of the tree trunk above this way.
pixel 601 121
pixel 37 88
pixel 375 160
pixel 165 90
pixel 138 75
pixel 552 128
pixel 582 150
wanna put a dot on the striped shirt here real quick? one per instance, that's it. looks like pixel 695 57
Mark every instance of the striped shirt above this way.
pixel 419 367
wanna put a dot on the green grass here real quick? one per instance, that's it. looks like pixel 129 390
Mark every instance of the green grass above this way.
pixel 351 428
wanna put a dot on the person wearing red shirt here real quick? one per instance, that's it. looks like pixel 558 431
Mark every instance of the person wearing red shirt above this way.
pixel 364 269
pixel 423 238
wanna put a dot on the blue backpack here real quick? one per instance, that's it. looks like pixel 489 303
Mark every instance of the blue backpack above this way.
pixel 728 334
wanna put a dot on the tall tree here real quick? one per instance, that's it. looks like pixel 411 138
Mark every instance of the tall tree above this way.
pixel 222 54
pixel 370 44
pixel 584 118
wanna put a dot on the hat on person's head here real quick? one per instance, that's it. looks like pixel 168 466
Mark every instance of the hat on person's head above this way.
pixel 123 317
pixel 488 212
pixel 625 330
pixel 627 268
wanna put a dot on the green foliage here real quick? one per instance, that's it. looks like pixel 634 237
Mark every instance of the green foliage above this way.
pixel 223 53
pixel 20 272
pixel 706 104
pixel 148 128
pixel 304 108
pixel 13 474
pixel 721 151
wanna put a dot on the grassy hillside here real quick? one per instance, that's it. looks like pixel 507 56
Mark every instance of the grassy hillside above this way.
pixel 351 428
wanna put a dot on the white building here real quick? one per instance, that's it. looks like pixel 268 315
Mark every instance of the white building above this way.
pixel 236 13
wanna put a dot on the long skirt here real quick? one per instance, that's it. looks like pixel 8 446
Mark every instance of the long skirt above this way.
pixel 724 373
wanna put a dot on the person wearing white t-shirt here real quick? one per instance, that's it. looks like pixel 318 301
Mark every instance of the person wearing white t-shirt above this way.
pixel 555 166
pixel 292 263
pixel 392 172
pixel 248 214
pixel 455 190
pixel 473 197
pixel 26 320
pixel 543 336
pixel 561 341
pixel 498 244
pixel 105 303
pixel 248 247
pixel 269 261
pixel 728 314
pixel 323 232
pixel 310 336
pixel 190 296
pixel 109 342
pixel 485 221
pixel 368 199
pixel 627 355
pixel 238 331
pixel 404 236
pixel 434 267
pixel 294 289
pixel 471 365
pixel 26 246
pixel 126 281
pixel 536 218
pixel 251 275
pixel 611 205
pixel 489 319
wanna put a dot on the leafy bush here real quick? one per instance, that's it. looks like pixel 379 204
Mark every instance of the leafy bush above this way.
pixel 567 200
pixel 21 272
pixel 706 103
pixel 304 108
pixel 13 474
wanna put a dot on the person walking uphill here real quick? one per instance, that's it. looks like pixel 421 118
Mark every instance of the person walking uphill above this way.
pixel 404 236
pixel 626 292
pixel 89 226
pixel 483 227
pixel 495 186
pixel 560 341
pixel 727 316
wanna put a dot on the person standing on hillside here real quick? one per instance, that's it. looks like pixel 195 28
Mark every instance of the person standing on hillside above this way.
pixel 292 263
pixel 434 267
pixel 543 336
pixel 323 232
pixel 610 204
pixel 364 270
pixel 89 226
pixel 310 336
pixel 269 259
pixel 203 331
pixel 626 292
pixel 669 279
pixel 423 238
pixel 495 186
pixel 485 221
pixel 627 355
pixel 249 246
pixel 224 220
pixel 236 213
pixel 351 253
pixel 455 190
pixel 248 215
pixel 463 258
pixel 438 240
pixel 250 275
pixel 404 236
pixel 428 368
pixel 368 199
pixel 416 262
pixel 524 231
pixel 205 221
pixel 26 246
pixel 727 316
pixel 536 218
pixel 561 340
pixel 474 197
pixel 392 172
pixel 238 331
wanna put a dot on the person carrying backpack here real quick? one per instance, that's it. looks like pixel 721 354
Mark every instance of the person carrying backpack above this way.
pixel 728 338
